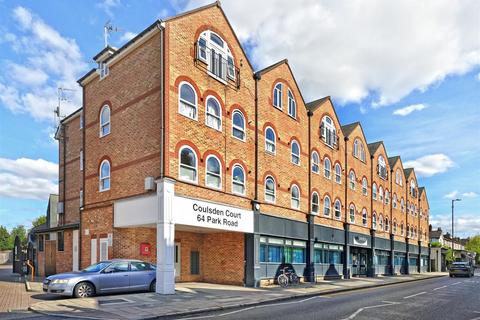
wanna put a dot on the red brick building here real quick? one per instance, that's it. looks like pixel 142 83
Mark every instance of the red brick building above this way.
pixel 192 160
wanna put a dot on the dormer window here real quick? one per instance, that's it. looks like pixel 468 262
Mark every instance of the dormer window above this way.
pixel 413 190
pixel 214 51
pixel 382 167
pixel 328 132
pixel 103 69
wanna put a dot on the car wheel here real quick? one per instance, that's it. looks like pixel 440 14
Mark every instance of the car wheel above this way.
pixel 451 276
pixel 153 286
pixel 84 290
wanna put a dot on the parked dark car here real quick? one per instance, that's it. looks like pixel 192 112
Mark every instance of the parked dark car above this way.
pixel 117 275
pixel 461 268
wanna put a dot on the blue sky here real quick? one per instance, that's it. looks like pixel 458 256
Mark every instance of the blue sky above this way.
pixel 378 66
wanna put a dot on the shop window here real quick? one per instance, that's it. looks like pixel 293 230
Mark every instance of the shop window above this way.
pixel 338 173
pixel 238 125
pixel 295 153
pixel 213 115
pixel 327 167
pixel 295 193
pixel 328 254
pixel 104 176
pixel 315 162
pixel 277 96
pixel 188 165
pixel 213 173
pixel 315 202
pixel 194 262
pixel 337 208
pixel 187 104
pixel 238 180
pixel 60 241
pixel 105 121
pixel 270 189
pixel 276 250
pixel 326 206
pixel 292 105
pixel 270 142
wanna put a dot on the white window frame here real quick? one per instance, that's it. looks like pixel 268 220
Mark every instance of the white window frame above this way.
pixel 380 222
pixel 219 175
pixel 187 166
pixel 374 220
pixel 394 201
pixel 107 122
pixel 352 206
pixel 102 178
pixel 374 191
pixel 277 93
pixel 352 184
pixel 382 167
pixel 293 199
pixel 387 225
pixel 328 125
pixel 273 143
pixel 270 193
pixel 181 100
pixel 314 193
pixel 339 211
pixel 356 148
pixel 394 228
pixel 234 126
pixel 219 117
pixel 402 229
pixel 364 217
pixel 243 184
pixel 380 194
pixel 327 170
pixel 224 51
pixel 316 162
pixel 291 104
pixel 362 152
pixel 293 155
pixel 364 186
pixel 338 173
pixel 387 196
pixel 327 210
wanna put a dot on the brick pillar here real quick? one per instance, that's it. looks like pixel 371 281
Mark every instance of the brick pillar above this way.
pixel 252 250
pixel 392 254
pixel 165 237
pixel 346 252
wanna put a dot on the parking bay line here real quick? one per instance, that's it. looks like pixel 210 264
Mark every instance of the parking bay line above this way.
pixel 439 288
pixel 414 295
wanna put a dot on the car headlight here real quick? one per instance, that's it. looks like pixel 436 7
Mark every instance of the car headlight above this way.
pixel 60 281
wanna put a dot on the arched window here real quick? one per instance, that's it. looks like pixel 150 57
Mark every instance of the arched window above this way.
pixel 380 194
pixel 394 226
pixel 328 132
pixel 213 115
pixel 327 204
pixel 213 173
pixel 238 179
pixel 374 191
pixel 188 164
pixel 315 202
pixel 338 208
pixel 238 125
pixel 315 162
pixel 374 221
pixel 277 95
pixel 338 173
pixel 292 105
pixel 380 222
pixel 295 192
pixel 327 167
pixel 356 148
pixel 352 180
pixel 387 224
pixel 398 177
pixel 104 176
pixel 402 205
pixel 387 196
pixel 105 121
pixel 408 231
pixel 352 213
pixel 413 189
pixel 364 186
pixel 270 189
pixel 270 138
pixel 402 229
pixel 394 201
pixel 362 152
pixel 382 167
pixel 214 51
pixel 295 153
pixel 187 103
pixel 364 217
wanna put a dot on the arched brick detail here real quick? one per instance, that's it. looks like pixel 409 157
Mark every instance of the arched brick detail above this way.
pixel 269 124
pixel 104 103
pixel 236 106
pixel 182 143
pixel 239 162
pixel 295 182
pixel 217 96
pixel 191 82
pixel 270 173
pixel 100 163
pixel 315 190
pixel 216 154
pixel 206 27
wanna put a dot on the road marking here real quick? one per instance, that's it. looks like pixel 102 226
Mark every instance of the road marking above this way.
pixel 439 288
pixel 386 303
pixel 453 284
pixel 414 295
pixel 254 307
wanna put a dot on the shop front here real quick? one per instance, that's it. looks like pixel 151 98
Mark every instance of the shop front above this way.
pixel 400 257
pixel 413 258
pixel 360 254
pixel 382 259
pixel 328 254
pixel 424 259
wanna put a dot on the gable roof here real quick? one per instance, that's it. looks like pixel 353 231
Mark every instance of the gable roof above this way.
pixel 373 147
pixel 407 171
pixel 393 160
pixel 259 73
pixel 348 128
pixel 435 233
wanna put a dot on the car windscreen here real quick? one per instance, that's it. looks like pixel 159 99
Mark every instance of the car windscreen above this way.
pixel 97 267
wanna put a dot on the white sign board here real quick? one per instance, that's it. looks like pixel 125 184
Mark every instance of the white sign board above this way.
pixel 360 241
pixel 211 215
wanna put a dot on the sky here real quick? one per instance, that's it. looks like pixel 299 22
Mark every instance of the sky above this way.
pixel 408 70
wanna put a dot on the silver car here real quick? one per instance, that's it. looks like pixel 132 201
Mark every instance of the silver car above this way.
pixel 461 268
pixel 117 275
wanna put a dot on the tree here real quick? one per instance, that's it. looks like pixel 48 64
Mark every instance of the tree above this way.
pixel 21 232
pixel 473 244
pixel 435 244
pixel 39 220
pixel 450 256
pixel 5 243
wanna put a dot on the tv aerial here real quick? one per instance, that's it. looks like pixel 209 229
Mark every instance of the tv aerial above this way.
pixel 108 28
pixel 62 97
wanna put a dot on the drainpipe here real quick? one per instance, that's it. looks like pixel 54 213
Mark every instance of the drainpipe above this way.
pixel 372 231
pixel 310 269
pixel 346 226
pixel 257 78
pixel 162 104
pixel 392 236
pixel 407 263
pixel 64 134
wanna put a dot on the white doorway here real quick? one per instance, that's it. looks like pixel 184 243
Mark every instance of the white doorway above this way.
pixel 178 264
pixel 75 250
pixel 103 249
pixel 93 251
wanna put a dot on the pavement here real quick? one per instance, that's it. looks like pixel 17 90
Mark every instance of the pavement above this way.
pixel 13 295
pixel 195 298
pixel 431 299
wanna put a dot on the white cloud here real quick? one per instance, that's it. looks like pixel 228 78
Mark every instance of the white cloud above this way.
pixel 350 49
pixel 430 165
pixel 469 194
pixel 409 109
pixel 465 224
pixel 48 61
pixel 28 178
pixel 478 76
pixel 127 36
pixel 108 6
pixel 451 195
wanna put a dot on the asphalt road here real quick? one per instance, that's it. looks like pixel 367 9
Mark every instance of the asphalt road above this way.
pixel 439 299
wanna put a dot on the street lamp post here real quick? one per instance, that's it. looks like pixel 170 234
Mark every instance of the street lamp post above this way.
pixel 453 205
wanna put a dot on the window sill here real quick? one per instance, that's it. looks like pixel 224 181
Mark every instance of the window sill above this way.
pixel 243 140
pixel 270 153
pixel 184 115
pixel 219 130
pixel 103 135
